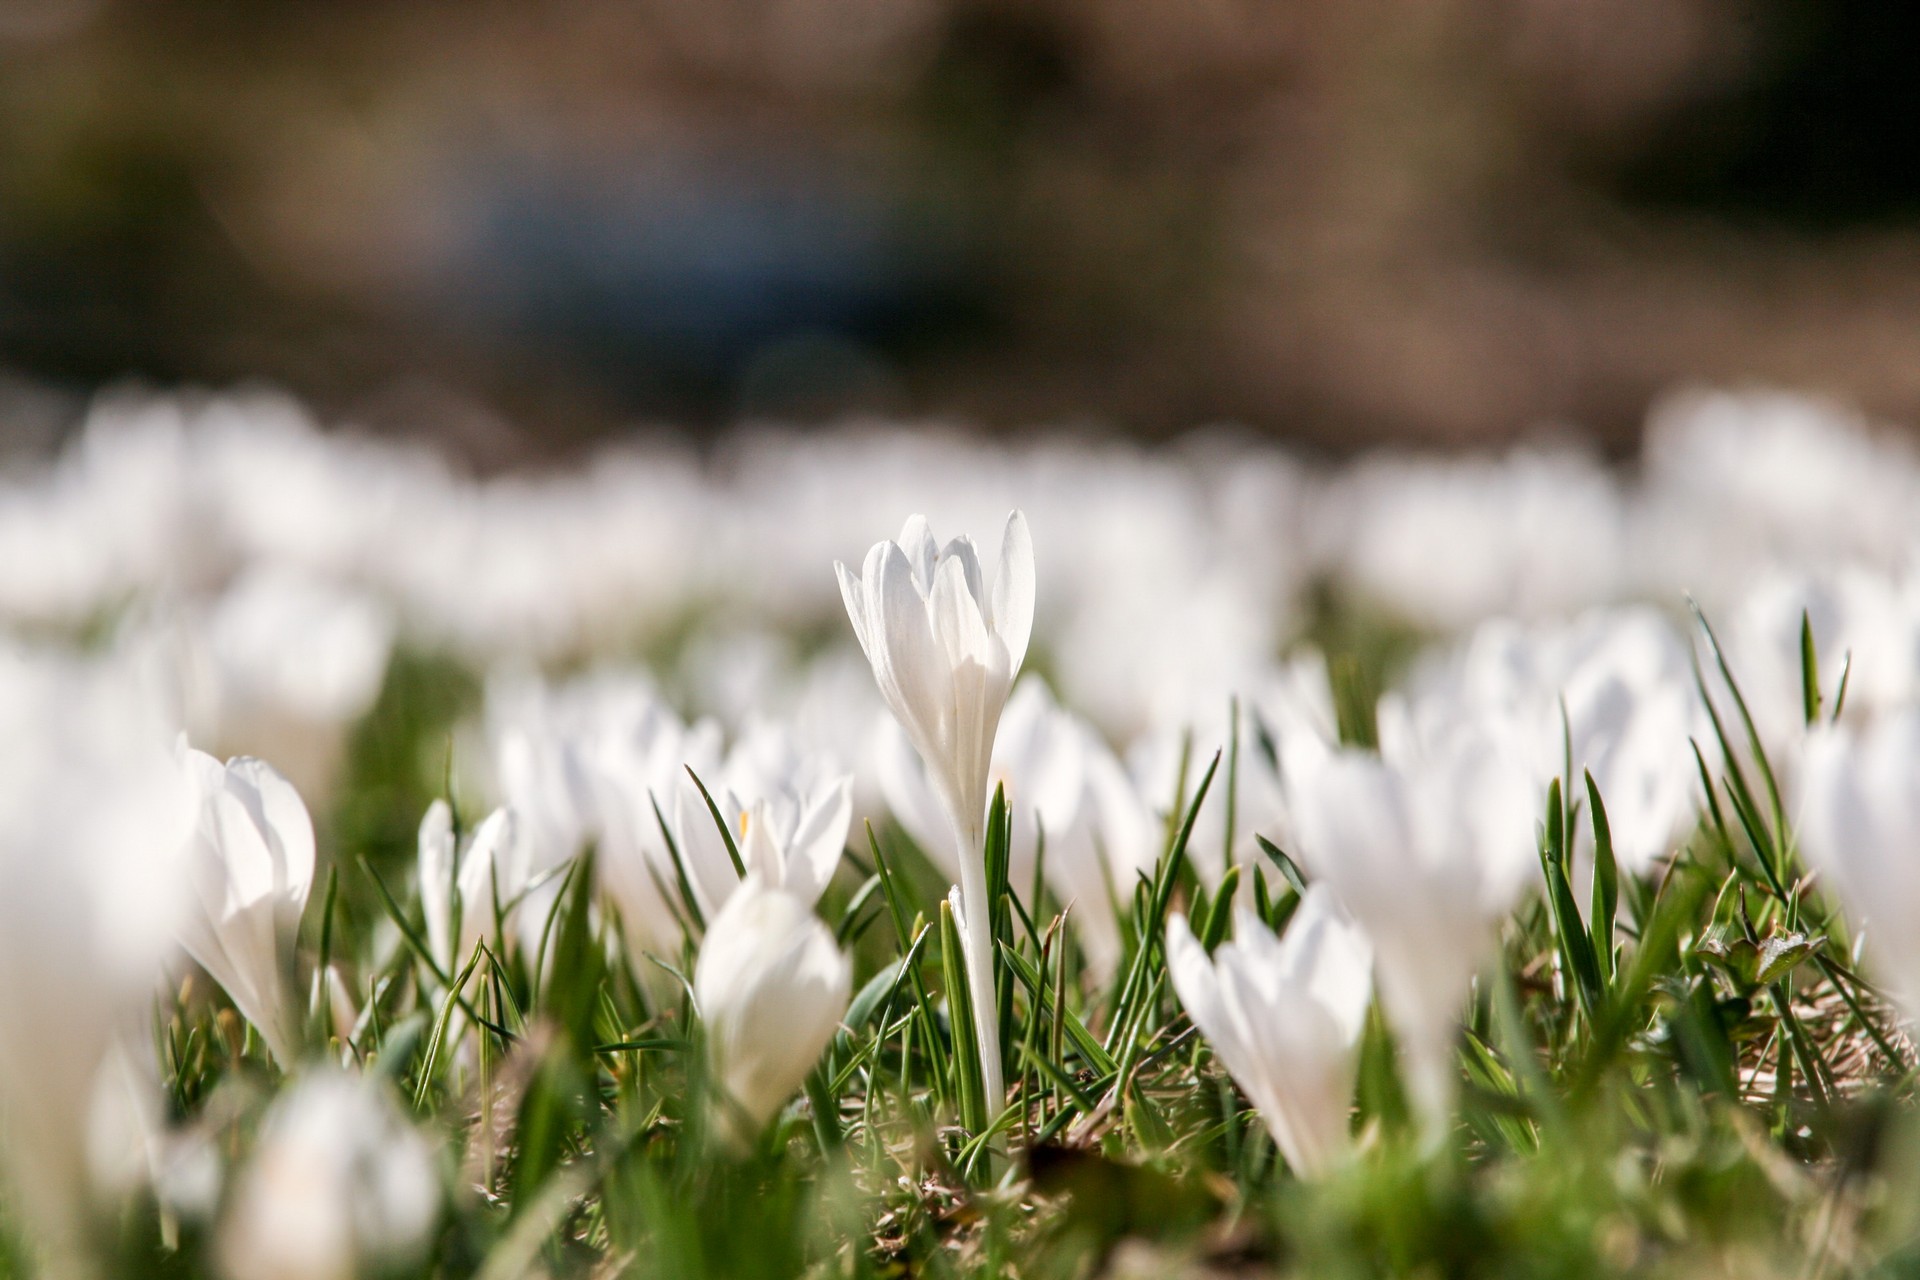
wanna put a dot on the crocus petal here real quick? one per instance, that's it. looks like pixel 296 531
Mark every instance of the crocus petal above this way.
pixel 854 597
pixel 1326 954
pixel 282 816
pixel 955 613
pixel 1013 590
pixel 908 666
pixel 703 850
pixel 916 540
pixel 819 840
pixel 436 878
pixel 961 549
pixel 771 987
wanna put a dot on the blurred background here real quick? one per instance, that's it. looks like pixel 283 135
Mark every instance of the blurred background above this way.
pixel 515 227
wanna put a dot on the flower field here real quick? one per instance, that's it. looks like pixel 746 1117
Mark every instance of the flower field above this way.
pixel 896 852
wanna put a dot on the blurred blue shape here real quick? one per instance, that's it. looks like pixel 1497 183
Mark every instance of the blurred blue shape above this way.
pixel 684 268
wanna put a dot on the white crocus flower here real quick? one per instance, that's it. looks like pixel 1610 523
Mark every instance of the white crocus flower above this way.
pixel 945 647
pixel 1859 811
pixel 787 809
pixel 251 870
pixel 1429 844
pixel 491 871
pixel 1065 787
pixel 340 1186
pixel 771 988
pixel 95 811
pixel 792 840
pixel 1284 1016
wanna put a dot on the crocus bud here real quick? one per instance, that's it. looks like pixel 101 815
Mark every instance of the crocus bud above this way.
pixel 1284 1017
pixel 340 1186
pixel 771 987
pixel 251 869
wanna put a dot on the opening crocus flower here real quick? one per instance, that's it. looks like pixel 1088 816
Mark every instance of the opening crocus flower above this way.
pixel 1429 844
pixel 789 838
pixel 251 870
pixel 945 646
pixel 771 987
pixel 1284 1016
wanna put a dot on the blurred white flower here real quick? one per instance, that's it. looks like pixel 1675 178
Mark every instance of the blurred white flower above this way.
pixel 1859 812
pixel 634 766
pixel 771 988
pixel 598 758
pixel 1734 482
pixel 1284 1016
pixel 251 870
pixel 288 644
pixel 460 889
pixel 1611 693
pixel 95 812
pixel 1278 704
pixel 945 647
pixel 129 1146
pixel 788 812
pixel 1063 785
pixel 1863 619
pixel 1429 844
pixel 1444 543
pixel 339 1186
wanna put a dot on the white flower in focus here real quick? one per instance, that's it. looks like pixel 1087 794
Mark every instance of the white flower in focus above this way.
pixel 492 870
pixel 1284 1016
pixel 340 1185
pixel 251 870
pixel 945 647
pixel 771 988
pixel 1859 812
pixel 1429 844
pixel 95 811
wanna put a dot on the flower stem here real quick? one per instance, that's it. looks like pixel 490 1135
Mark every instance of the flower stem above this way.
pixel 979 949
